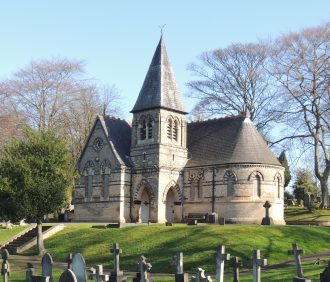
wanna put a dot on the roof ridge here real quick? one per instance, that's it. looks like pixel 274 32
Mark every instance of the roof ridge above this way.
pixel 233 117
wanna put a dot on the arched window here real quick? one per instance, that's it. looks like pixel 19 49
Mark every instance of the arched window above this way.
pixel 169 128
pixel 150 128
pixel 200 189
pixel 257 186
pixel 278 187
pixel 230 179
pixel 143 129
pixel 175 130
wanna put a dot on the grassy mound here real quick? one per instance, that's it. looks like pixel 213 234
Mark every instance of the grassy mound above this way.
pixel 302 214
pixel 198 243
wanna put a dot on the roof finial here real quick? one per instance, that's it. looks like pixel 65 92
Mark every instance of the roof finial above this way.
pixel 161 27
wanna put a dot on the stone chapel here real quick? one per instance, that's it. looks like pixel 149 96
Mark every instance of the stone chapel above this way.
pixel 160 168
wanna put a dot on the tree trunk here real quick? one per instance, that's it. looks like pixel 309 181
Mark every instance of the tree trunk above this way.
pixel 40 238
pixel 325 194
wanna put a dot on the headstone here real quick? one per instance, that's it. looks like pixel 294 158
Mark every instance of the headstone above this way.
pixel 257 263
pixel 180 276
pixel 47 266
pixel 30 272
pixel 235 264
pixel 192 222
pixel 267 220
pixel 116 274
pixel 213 217
pixel 97 274
pixel 5 269
pixel 69 260
pixel 200 276
pixel 222 221
pixel 296 253
pixel 307 200
pixel 79 267
pixel 168 223
pixel 221 257
pixel 325 275
pixel 68 276
pixel 143 267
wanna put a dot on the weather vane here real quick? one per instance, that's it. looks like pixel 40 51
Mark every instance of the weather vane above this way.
pixel 161 28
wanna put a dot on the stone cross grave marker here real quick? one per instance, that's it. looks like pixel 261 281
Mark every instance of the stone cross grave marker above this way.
pixel 68 276
pixel 257 263
pixel 116 251
pixel 235 264
pixel 296 253
pixel 180 276
pixel 47 266
pixel 79 267
pixel 267 220
pixel 144 267
pixel 97 274
pixel 178 262
pixel 5 270
pixel 221 257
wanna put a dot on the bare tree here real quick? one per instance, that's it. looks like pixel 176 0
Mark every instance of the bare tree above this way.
pixel 55 95
pixel 232 79
pixel 301 65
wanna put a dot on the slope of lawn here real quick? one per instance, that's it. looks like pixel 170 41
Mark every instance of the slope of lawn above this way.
pixel 6 234
pixel 198 244
pixel 302 214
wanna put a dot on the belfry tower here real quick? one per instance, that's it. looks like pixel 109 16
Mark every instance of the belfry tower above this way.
pixel 158 148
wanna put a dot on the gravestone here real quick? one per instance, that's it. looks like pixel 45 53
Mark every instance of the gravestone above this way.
pixel 68 276
pixel 168 223
pixel 116 274
pixel 221 257
pixel 192 222
pixel 307 200
pixel 69 260
pixel 97 274
pixel 325 275
pixel 235 264
pixel 143 267
pixel 5 269
pixel 296 253
pixel 180 276
pixel 79 267
pixel 30 272
pixel 47 266
pixel 200 276
pixel 267 220
pixel 257 263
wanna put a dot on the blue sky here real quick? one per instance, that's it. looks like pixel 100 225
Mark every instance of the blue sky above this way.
pixel 117 38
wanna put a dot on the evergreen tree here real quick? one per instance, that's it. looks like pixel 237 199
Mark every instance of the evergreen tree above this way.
pixel 303 184
pixel 287 174
pixel 35 175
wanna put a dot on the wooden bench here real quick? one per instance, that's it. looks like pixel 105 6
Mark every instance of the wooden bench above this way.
pixel 200 217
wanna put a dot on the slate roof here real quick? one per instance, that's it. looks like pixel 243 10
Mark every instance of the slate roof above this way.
pixel 159 89
pixel 232 140
pixel 119 134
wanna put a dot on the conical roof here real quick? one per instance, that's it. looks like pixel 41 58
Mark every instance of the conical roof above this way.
pixel 232 140
pixel 159 89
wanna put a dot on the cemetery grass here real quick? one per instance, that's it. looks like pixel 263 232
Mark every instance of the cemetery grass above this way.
pixel 302 214
pixel 198 244
pixel 6 234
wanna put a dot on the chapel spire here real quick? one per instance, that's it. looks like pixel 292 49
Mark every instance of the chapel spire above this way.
pixel 159 89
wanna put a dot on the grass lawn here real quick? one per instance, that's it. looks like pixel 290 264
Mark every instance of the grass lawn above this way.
pixel 6 234
pixel 302 214
pixel 198 244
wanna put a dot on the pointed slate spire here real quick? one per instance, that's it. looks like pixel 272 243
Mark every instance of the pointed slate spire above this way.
pixel 159 89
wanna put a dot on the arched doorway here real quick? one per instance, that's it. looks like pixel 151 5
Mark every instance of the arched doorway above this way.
pixel 170 198
pixel 144 212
